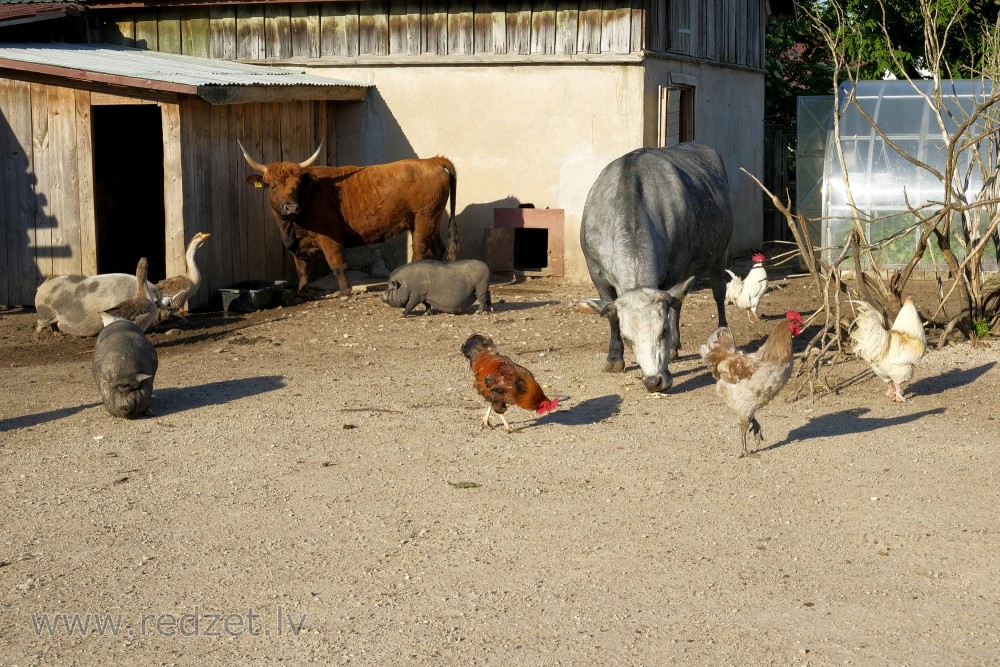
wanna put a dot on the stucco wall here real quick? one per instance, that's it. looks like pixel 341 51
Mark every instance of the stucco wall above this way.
pixel 531 133
pixel 729 117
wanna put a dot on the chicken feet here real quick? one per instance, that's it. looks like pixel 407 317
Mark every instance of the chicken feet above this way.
pixel 895 392
pixel 753 426
pixel 486 421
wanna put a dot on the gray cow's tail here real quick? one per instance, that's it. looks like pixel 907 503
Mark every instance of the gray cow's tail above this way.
pixel 452 252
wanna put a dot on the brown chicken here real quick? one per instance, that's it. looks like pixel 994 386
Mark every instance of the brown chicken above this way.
pixel 502 382
pixel 747 382
pixel 891 352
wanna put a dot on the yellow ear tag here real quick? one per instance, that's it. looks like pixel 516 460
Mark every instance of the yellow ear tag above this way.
pixel 258 184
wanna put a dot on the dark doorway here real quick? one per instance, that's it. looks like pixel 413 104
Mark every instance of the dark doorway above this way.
pixel 128 188
pixel 531 249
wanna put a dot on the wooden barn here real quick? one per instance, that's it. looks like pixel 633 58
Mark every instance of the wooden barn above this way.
pixel 112 154
pixel 530 100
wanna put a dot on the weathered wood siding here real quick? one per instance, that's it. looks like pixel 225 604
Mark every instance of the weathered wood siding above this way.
pixel 47 217
pixel 726 31
pixel 245 243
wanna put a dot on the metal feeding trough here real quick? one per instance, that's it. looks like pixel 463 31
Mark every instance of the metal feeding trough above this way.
pixel 251 295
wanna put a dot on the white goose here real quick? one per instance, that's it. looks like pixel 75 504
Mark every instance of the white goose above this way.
pixel 175 291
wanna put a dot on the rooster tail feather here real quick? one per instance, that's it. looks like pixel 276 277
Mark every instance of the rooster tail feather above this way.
pixel 721 338
pixel 869 337
pixel 733 287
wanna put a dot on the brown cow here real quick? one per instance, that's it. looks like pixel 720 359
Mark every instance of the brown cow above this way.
pixel 327 209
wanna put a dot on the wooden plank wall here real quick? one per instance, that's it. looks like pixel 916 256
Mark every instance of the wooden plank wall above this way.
pixel 47 224
pixel 728 31
pixel 46 219
pixel 18 201
pixel 245 242
pixel 278 31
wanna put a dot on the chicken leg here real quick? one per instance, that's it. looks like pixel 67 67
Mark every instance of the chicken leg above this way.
pixel 747 427
pixel 895 392
pixel 486 421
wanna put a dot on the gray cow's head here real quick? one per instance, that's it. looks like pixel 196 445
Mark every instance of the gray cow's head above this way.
pixel 642 316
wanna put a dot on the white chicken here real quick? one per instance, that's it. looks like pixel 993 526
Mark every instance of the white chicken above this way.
pixel 891 352
pixel 745 293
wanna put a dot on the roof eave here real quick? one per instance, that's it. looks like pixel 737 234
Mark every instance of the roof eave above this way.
pixel 151 88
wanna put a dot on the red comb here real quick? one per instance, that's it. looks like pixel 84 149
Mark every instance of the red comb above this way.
pixel 792 315
pixel 758 257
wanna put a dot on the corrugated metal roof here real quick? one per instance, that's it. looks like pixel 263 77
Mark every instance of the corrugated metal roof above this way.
pixel 157 66
pixel 14 12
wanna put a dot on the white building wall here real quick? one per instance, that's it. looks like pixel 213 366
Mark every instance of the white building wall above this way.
pixel 729 117
pixel 535 134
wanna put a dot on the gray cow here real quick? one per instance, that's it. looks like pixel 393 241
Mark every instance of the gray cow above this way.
pixel 450 287
pixel 654 220
pixel 124 366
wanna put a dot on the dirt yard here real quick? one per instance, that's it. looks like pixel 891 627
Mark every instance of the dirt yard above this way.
pixel 312 486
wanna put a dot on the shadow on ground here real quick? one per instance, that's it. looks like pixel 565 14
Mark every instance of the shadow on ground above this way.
pixel 846 422
pixel 28 421
pixel 948 380
pixel 590 411
pixel 178 399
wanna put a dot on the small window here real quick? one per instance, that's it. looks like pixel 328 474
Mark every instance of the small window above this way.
pixel 676 115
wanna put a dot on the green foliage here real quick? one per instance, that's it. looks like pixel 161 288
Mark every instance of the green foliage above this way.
pixel 870 52
pixel 797 63
pixel 981 327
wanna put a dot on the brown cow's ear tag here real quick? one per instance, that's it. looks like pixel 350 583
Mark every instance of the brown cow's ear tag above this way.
pixel 258 184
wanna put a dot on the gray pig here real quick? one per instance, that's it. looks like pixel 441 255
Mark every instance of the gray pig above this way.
pixel 74 303
pixel 124 365
pixel 450 287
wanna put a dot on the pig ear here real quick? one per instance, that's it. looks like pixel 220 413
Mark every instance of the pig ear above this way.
pixel 599 306
pixel 393 284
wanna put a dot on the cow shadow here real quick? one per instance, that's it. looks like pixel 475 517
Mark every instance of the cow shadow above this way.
pixel 27 421
pixel 173 400
pixel 846 422
pixel 699 379
pixel 590 411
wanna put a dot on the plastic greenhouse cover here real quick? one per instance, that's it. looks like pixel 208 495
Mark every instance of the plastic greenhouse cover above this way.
pixel 881 178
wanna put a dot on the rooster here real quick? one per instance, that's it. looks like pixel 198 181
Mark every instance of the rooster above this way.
pixel 501 381
pixel 745 293
pixel 892 352
pixel 747 382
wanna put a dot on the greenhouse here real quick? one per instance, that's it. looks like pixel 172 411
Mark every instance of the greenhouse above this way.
pixel 885 184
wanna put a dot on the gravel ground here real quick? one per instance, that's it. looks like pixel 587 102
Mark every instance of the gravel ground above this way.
pixel 312 486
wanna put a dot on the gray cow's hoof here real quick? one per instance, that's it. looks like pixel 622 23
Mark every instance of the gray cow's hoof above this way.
pixel 616 366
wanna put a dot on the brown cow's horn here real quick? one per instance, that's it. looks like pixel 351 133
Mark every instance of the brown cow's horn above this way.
pixel 312 159
pixel 250 161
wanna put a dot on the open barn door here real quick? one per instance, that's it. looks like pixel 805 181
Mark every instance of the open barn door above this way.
pixel 128 188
